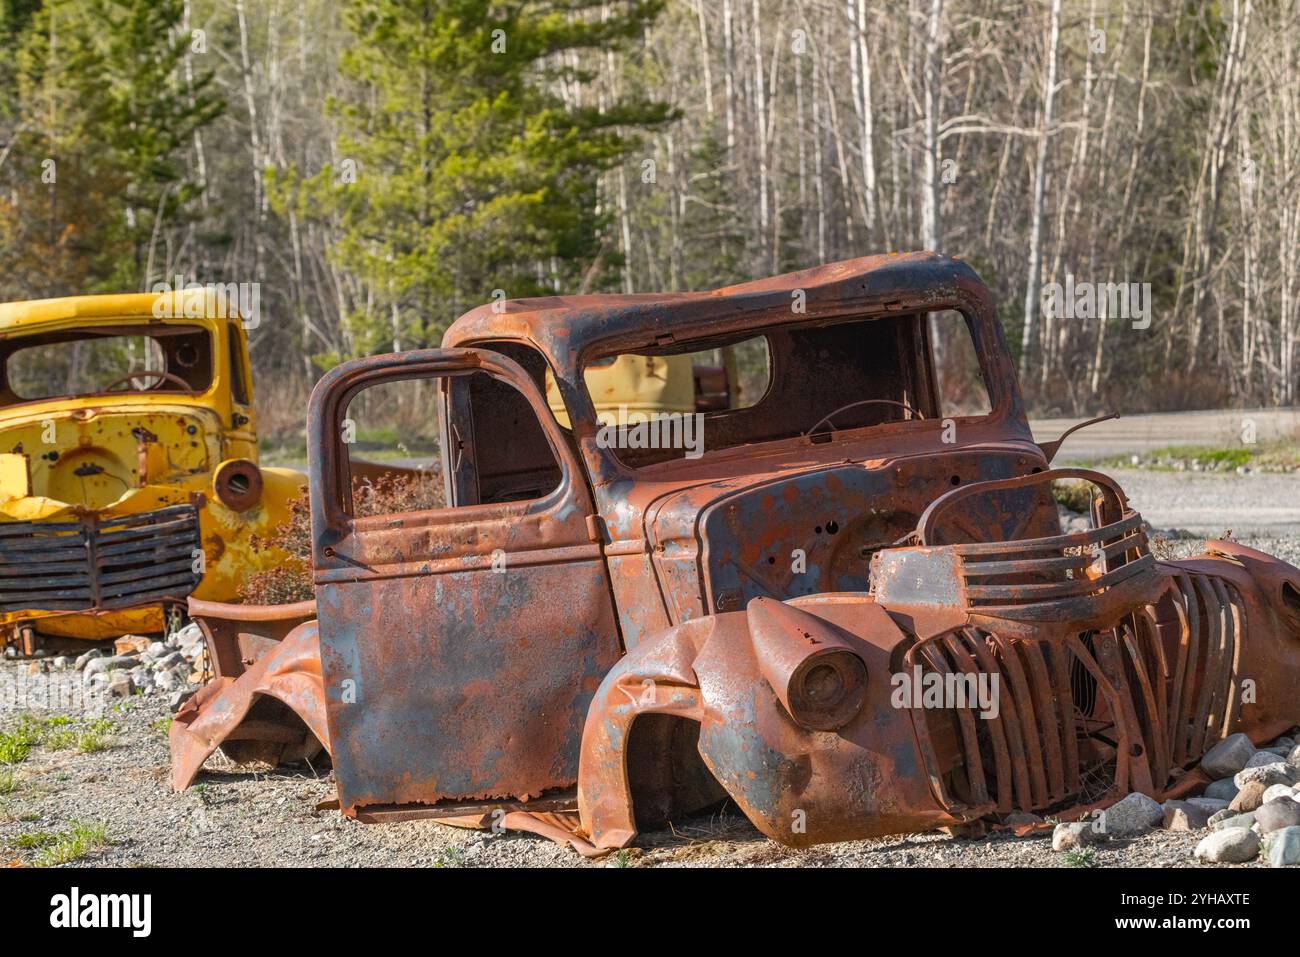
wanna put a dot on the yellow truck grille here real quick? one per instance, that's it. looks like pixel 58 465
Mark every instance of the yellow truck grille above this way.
pixel 92 564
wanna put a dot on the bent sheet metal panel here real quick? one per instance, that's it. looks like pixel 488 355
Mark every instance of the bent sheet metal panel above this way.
pixel 289 673
pixel 464 685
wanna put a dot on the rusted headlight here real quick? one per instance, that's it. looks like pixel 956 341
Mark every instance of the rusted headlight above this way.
pixel 238 484
pixel 818 677
pixel 827 689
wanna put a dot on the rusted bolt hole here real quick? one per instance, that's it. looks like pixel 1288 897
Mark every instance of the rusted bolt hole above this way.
pixel 956 480
pixel 832 526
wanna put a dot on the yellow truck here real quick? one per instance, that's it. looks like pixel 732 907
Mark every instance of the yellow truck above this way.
pixel 129 475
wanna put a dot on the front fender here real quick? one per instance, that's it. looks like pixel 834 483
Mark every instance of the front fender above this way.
pixel 797 786
pixel 219 713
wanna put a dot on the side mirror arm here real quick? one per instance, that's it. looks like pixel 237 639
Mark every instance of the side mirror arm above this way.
pixel 1050 449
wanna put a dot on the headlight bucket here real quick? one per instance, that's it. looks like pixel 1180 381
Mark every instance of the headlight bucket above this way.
pixel 237 484
pixel 817 675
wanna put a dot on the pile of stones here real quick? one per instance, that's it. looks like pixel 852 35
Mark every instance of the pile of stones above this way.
pixel 140 665
pixel 1252 807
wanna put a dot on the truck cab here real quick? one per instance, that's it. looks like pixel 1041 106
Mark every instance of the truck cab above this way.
pixel 129 474
pixel 614 623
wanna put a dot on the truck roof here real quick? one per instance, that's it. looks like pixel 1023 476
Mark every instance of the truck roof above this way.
pixel 563 327
pixel 92 310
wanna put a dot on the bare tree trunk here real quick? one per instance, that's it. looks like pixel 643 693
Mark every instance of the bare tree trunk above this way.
pixel 1032 292
pixel 930 187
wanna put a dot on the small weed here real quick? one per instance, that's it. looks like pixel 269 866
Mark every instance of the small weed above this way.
pixel 164 725
pixel 35 839
pixel 8 782
pixel 451 857
pixel 59 739
pixel 622 859
pixel 70 845
pixel 91 742
pixel 1074 494
pixel 17 744
pixel 1079 857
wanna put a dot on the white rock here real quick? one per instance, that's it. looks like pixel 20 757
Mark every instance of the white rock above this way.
pixel 1077 834
pixel 156 650
pixel 1278 790
pixel 1210 804
pixel 1275 772
pixel 1134 815
pixel 1232 845
pixel 189 635
pixel 1228 756
pixel 1293 758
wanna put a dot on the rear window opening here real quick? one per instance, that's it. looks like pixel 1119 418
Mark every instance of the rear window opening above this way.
pixel 635 385
pixel 105 361
pixel 803 380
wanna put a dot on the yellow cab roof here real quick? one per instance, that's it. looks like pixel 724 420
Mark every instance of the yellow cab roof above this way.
pixel 197 305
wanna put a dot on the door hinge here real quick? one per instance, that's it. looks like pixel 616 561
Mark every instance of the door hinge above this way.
pixel 596 529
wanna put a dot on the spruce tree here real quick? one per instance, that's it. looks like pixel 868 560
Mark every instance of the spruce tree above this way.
pixel 461 169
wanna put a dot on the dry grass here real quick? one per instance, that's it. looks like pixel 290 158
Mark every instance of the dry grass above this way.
pixel 290 581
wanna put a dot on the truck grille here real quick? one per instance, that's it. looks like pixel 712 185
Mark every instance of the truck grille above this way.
pixel 99 565
pixel 1157 689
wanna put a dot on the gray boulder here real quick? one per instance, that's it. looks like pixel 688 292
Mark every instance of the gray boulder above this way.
pixel 1134 815
pixel 1234 820
pixel 1276 772
pixel 1282 847
pixel 1224 789
pixel 1218 816
pixel 1278 814
pixel 1228 756
pixel 1077 834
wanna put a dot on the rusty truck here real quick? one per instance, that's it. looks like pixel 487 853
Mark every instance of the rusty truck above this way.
pixel 607 628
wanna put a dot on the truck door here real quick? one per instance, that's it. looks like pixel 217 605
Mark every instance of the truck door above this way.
pixel 460 645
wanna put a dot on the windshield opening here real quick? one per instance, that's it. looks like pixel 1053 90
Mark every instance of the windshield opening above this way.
pixel 802 380
pixel 175 359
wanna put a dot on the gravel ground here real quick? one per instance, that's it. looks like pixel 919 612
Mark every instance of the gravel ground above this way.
pixel 238 817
